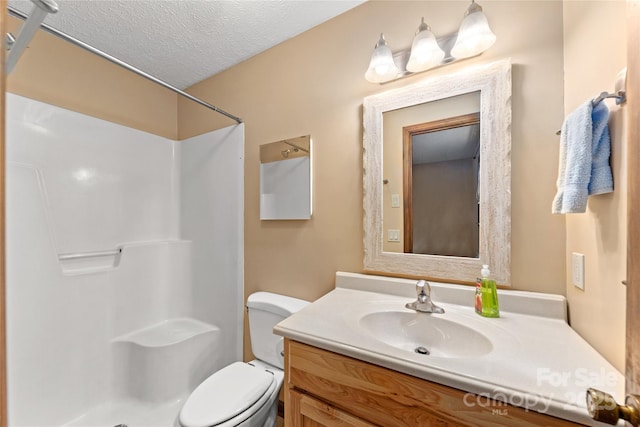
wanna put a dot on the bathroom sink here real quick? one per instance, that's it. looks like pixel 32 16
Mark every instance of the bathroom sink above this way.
pixel 427 334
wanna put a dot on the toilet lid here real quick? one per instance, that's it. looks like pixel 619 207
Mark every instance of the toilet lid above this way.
pixel 224 395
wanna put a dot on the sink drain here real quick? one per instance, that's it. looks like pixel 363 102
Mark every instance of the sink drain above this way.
pixel 422 350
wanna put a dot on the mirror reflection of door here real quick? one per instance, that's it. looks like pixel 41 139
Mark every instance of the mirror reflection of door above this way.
pixel 440 184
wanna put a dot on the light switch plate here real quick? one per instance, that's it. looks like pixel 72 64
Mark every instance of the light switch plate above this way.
pixel 393 235
pixel 577 270
pixel 395 200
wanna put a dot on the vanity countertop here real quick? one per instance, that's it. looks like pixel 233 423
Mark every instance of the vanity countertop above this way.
pixel 530 358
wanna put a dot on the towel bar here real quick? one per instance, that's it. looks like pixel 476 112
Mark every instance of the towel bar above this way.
pixel 620 97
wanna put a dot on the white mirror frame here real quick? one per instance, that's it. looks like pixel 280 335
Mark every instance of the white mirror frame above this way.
pixel 494 83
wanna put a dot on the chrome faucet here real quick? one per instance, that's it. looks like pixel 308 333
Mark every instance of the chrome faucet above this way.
pixel 423 302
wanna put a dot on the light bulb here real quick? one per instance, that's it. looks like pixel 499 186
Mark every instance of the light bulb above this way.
pixel 425 51
pixel 474 36
pixel 382 68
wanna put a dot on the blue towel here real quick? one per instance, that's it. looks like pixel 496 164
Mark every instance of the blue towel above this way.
pixel 585 148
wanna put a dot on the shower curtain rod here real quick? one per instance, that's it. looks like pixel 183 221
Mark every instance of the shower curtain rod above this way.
pixel 41 8
pixel 123 64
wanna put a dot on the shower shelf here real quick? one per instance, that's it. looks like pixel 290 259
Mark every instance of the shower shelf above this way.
pixel 168 332
pixel 166 361
pixel 89 262
pixel 79 255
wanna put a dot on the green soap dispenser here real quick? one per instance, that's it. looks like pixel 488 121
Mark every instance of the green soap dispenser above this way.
pixel 488 294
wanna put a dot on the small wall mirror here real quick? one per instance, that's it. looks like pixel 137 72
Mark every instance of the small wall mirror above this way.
pixel 437 176
pixel 285 179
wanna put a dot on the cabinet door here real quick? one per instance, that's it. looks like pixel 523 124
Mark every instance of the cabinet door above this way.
pixel 309 412
pixel 384 397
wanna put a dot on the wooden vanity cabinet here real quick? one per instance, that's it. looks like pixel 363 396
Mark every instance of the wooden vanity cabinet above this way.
pixel 327 389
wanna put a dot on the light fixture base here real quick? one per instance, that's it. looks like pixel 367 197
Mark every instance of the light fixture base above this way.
pixel 401 57
pixel 427 52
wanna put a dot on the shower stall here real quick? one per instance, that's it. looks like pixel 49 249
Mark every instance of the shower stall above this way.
pixel 124 265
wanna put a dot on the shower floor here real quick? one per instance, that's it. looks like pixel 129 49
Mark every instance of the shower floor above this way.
pixel 130 413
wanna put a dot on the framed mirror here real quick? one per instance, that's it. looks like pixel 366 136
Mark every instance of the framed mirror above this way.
pixel 437 176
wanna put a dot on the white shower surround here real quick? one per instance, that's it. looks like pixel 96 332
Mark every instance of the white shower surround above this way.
pixel 79 184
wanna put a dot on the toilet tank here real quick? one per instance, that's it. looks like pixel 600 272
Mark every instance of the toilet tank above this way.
pixel 266 310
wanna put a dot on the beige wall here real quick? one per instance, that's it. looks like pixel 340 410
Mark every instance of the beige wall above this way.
pixel 594 52
pixel 56 72
pixel 314 84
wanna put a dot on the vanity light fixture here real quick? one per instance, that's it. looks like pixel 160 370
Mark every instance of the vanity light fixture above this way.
pixel 473 38
pixel 425 51
pixel 382 68
pixel 474 35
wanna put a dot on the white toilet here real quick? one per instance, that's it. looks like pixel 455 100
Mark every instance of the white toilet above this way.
pixel 246 394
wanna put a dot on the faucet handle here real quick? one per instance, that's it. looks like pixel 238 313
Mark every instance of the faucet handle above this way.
pixel 423 302
pixel 423 288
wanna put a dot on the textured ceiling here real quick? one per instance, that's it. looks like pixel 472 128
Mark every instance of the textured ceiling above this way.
pixel 185 41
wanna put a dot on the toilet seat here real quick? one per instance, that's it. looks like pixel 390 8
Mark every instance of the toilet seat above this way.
pixel 228 397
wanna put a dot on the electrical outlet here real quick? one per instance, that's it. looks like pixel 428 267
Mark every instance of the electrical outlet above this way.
pixel 393 235
pixel 577 270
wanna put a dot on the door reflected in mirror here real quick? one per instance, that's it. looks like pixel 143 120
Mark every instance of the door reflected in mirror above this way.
pixel 441 164
pixel 431 165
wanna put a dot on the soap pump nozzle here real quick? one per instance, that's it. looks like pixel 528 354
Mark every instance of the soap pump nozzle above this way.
pixel 485 272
